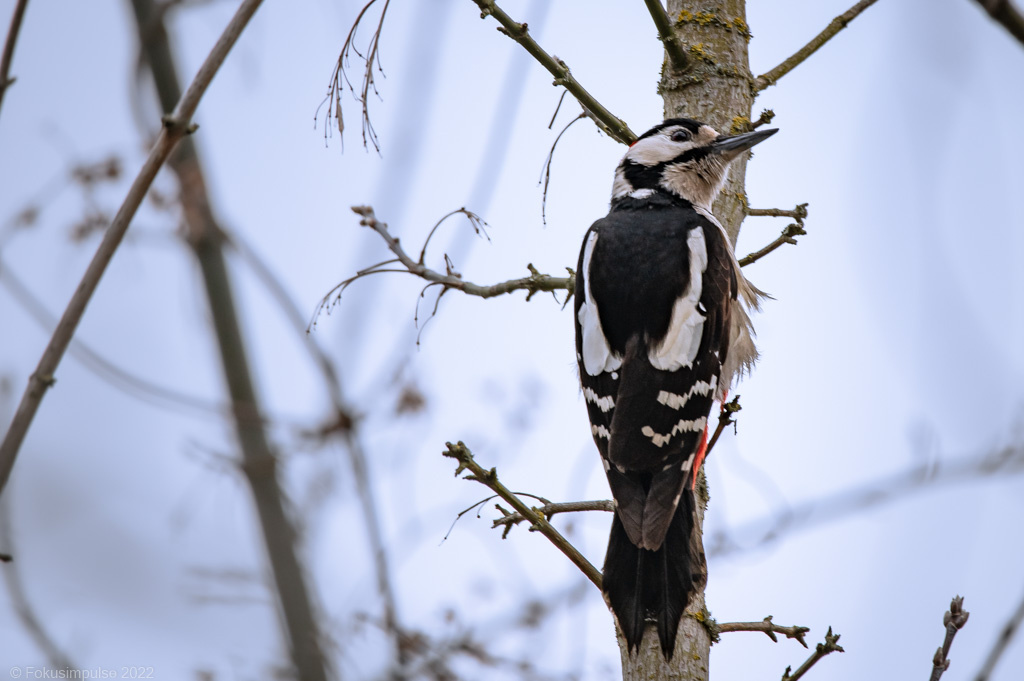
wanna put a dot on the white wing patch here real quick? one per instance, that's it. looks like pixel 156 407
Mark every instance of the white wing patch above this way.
pixel 601 431
pixel 684 426
pixel 605 404
pixel 679 348
pixel 597 355
pixel 674 401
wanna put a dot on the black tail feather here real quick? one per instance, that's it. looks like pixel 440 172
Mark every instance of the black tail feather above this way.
pixel 641 584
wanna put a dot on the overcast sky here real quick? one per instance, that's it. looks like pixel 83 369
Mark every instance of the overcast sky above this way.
pixel 893 339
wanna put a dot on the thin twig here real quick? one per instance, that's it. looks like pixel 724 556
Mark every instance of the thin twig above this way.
pixel 954 619
pixel 478 224
pixel 339 79
pixel 835 26
pixel 830 645
pixel 788 235
pixel 460 452
pixel 724 419
pixel 8 55
pixel 768 627
pixel 176 126
pixel 676 53
pixel 798 213
pixel 450 279
pixel 547 167
pixel 1001 644
pixel 612 125
pixel 1006 14
pixel 549 509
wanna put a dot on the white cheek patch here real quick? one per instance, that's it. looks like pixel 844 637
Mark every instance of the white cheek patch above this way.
pixel 684 426
pixel 600 431
pixel 674 401
pixel 605 404
pixel 597 355
pixel 680 345
pixel 641 193
pixel 650 151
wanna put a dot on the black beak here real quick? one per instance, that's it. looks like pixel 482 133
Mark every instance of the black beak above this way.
pixel 732 146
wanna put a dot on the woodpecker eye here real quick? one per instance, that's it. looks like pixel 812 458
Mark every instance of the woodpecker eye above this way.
pixel 680 136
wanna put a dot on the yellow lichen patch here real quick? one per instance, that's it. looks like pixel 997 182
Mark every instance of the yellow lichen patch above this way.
pixel 741 27
pixel 705 18
pixel 685 16
pixel 698 51
pixel 740 124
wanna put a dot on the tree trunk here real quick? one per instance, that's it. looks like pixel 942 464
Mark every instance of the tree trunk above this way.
pixel 716 89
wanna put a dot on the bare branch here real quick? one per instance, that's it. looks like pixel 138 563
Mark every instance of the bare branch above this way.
pixel 339 78
pixel 258 460
pixel 830 645
pixel 549 509
pixel 835 26
pixel 788 235
pixel 461 453
pixel 176 126
pixel 547 165
pixel 101 366
pixel 676 54
pixel 450 279
pixel 1006 14
pixel 954 620
pixel 477 222
pixel 1005 636
pixel 8 54
pixel 613 126
pixel 798 213
pixel 345 424
pixel 724 419
pixel 768 627
pixel 1004 462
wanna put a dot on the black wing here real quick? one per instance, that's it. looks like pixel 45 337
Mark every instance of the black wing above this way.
pixel 648 422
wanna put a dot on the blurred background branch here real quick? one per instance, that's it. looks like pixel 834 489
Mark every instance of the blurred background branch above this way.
pixel 8 54
pixel 259 460
pixel 1007 14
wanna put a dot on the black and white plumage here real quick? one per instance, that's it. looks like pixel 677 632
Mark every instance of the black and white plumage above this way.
pixel 661 332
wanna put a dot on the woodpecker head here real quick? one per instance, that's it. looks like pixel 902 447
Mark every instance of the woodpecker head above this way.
pixel 683 157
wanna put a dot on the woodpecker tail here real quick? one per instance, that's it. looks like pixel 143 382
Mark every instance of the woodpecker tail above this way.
pixel 640 584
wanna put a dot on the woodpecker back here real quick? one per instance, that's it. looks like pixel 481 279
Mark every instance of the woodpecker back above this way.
pixel 660 333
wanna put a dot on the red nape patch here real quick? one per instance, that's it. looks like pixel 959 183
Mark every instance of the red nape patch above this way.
pixel 698 459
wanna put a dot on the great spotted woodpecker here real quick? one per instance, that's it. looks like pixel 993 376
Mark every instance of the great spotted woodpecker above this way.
pixel 661 332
